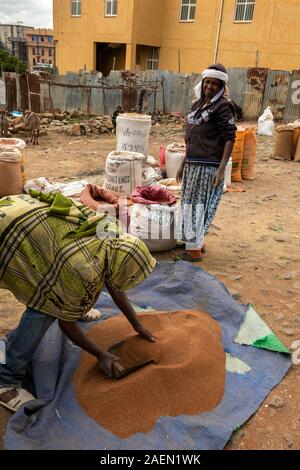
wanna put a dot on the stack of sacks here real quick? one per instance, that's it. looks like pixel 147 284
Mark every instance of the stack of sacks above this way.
pixel 244 155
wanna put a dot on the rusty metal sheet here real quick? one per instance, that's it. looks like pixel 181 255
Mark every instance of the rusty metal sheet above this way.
pixel 292 108
pixel 11 91
pixel 237 84
pixel 276 92
pixel 23 82
pixel 35 93
pixel 254 92
pixel 129 99
pixel 253 89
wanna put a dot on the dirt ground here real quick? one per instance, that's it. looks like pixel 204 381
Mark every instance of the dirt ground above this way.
pixel 244 252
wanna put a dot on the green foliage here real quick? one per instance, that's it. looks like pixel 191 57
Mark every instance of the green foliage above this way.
pixel 9 63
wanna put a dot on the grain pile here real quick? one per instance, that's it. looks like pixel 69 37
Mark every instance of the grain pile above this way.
pixel 187 377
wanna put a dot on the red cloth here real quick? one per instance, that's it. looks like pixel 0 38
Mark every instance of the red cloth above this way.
pixel 153 195
pixel 99 199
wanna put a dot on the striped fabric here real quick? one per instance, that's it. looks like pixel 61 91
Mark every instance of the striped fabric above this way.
pixel 199 204
pixel 52 260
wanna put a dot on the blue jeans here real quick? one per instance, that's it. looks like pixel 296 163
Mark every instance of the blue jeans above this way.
pixel 21 345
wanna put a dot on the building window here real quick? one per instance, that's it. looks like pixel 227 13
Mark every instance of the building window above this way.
pixel 111 7
pixel 33 37
pixel 50 38
pixel 153 59
pixel 50 61
pixel 34 61
pixel 33 51
pixel 188 10
pixel 244 11
pixel 42 38
pixel 43 52
pixel 76 7
pixel 50 52
pixel 43 61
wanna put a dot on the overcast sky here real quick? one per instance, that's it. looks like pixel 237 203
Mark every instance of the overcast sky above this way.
pixel 37 13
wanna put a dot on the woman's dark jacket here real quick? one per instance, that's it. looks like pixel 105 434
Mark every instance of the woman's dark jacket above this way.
pixel 208 129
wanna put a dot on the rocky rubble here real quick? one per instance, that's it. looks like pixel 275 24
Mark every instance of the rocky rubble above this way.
pixel 77 124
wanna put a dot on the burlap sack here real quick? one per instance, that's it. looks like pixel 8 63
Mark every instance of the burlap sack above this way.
pixel 10 171
pixel 284 142
pixel 237 155
pixel 20 145
pixel 249 155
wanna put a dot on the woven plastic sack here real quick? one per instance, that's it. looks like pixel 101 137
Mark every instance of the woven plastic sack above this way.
pixel 284 142
pixel 10 171
pixel 20 145
pixel 237 156
pixel 249 155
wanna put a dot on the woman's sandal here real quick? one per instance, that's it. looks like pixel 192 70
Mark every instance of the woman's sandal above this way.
pixel 186 257
pixel 21 397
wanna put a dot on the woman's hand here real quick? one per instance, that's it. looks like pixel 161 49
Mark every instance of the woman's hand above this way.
pixel 226 92
pixel 105 363
pixel 144 333
pixel 179 174
pixel 218 178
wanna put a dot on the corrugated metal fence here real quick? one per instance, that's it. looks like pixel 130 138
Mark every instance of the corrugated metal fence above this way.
pixel 253 89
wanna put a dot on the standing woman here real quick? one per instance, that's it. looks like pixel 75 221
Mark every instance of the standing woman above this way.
pixel 210 137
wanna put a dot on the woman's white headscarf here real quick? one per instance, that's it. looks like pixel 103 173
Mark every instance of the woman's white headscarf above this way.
pixel 211 73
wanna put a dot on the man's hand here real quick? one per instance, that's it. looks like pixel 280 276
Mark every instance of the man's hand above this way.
pixel 124 305
pixel 218 178
pixel 144 333
pixel 105 363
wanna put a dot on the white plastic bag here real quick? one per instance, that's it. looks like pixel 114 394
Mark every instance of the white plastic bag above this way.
pixel 266 124
pixel 175 153
pixel 151 175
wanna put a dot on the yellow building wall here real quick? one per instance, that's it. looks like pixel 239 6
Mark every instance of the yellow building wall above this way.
pixel 148 22
pixel 271 40
pixel 192 39
pixel 76 36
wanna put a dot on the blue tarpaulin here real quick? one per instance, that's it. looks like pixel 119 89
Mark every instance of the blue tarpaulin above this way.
pixel 56 420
